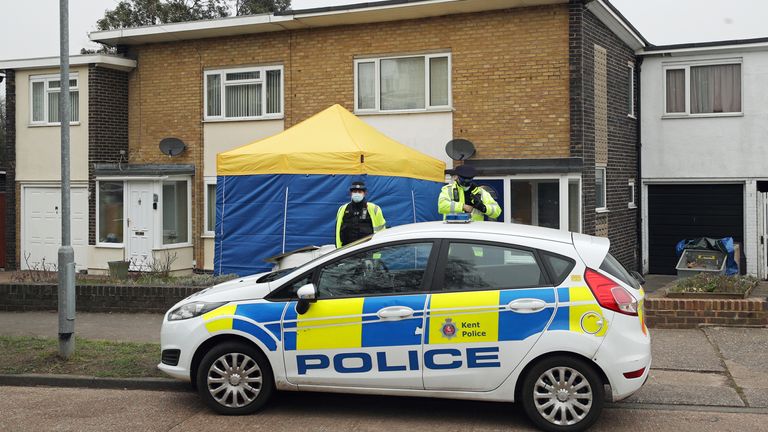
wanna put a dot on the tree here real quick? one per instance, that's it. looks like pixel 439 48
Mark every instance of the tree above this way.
pixel 137 13
pixel 252 7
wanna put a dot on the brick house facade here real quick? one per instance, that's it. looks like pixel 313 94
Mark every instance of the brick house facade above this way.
pixel 520 88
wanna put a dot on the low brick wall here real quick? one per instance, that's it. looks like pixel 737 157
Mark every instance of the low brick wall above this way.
pixel 661 312
pixel 93 298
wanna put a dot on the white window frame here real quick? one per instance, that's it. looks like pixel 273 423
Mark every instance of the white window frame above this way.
pixel 159 236
pixel 686 66
pixel 604 208
pixel 563 180
pixel 427 84
pixel 631 112
pixel 46 79
pixel 262 80
pixel 99 243
pixel 206 233
pixel 632 194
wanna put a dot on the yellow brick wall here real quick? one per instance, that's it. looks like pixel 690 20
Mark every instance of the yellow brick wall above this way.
pixel 509 75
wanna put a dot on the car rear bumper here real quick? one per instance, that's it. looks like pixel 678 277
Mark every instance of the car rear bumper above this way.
pixel 625 349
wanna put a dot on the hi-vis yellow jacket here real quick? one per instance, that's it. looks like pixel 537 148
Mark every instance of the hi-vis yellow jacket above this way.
pixel 376 215
pixel 446 204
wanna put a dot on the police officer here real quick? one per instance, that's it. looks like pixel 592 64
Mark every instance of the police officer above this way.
pixel 463 196
pixel 358 218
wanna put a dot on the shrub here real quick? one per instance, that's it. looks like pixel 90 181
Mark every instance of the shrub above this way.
pixel 718 283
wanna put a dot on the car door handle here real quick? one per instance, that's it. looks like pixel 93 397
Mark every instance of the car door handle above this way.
pixel 527 305
pixel 395 312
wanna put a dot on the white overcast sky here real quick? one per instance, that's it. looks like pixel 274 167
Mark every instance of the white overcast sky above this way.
pixel 30 28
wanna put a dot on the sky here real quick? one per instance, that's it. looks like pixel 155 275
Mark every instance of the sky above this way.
pixel 30 28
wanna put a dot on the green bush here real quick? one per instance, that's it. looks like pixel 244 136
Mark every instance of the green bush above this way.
pixel 704 282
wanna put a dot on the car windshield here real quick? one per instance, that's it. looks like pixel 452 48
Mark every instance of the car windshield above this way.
pixel 613 267
pixel 275 275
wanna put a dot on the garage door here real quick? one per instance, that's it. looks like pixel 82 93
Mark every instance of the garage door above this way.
pixel 677 212
pixel 41 229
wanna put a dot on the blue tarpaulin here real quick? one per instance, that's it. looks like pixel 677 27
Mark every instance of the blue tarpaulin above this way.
pixel 259 216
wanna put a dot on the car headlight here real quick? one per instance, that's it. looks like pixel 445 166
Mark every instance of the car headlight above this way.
pixel 191 310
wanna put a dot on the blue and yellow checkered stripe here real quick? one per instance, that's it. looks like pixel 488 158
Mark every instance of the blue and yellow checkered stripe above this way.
pixel 579 312
pixel 260 320
pixel 353 323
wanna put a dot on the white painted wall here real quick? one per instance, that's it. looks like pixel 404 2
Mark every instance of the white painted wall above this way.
pixel 38 148
pixel 425 132
pixel 224 136
pixel 710 147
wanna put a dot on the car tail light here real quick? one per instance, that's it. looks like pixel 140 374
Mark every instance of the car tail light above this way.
pixel 609 294
pixel 634 374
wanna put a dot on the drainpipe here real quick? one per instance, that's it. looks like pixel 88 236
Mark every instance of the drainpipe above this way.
pixel 639 181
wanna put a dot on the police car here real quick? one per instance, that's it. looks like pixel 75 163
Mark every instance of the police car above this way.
pixel 482 311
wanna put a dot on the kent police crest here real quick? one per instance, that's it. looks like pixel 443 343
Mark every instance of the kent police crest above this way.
pixel 449 328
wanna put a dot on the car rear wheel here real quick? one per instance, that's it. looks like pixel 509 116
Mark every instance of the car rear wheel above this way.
pixel 562 394
pixel 235 378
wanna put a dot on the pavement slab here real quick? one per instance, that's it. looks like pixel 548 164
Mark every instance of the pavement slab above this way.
pixel 687 388
pixel 745 353
pixel 687 349
pixel 123 327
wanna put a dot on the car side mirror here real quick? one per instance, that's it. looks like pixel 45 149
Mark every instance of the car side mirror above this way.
pixel 307 294
pixel 638 277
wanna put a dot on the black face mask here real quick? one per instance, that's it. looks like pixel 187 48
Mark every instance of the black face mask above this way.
pixel 464 182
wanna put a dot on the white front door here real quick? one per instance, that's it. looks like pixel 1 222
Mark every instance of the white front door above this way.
pixel 762 232
pixel 41 227
pixel 140 224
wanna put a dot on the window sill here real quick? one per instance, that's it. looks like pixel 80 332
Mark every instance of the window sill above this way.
pixel 110 245
pixel 208 236
pixel 690 116
pixel 174 246
pixel 228 120
pixel 602 210
pixel 632 116
pixel 632 206
pixel 43 125
pixel 396 112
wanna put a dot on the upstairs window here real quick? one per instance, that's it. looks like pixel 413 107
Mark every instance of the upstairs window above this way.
pixel 631 90
pixel 249 93
pixel 708 89
pixel 44 96
pixel 408 83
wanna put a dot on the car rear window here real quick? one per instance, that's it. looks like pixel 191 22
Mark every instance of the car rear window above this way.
pixel 561 266
pixel 613 267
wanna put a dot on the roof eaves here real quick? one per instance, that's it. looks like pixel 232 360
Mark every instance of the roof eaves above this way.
pixel 705 46
pixel 110 61
pixel 346 7
pixel 617 23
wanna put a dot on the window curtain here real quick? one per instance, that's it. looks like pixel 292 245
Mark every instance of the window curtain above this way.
pixel 676 91
pixel 38 103
pixel 366 85
pixel 402 83
pixel 213 89
pixel 438 81
pixel 716 89
pixel 243 100
pixel 273 92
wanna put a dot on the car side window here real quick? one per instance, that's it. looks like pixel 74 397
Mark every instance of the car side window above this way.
pixel 471 266
pixel 561 266
pixel 397 269
pixel 288 292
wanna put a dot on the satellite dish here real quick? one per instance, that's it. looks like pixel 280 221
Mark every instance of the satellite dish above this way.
pixel 460 149
pixel 172 146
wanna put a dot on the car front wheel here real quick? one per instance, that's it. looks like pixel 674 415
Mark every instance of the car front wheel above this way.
pixel 562 394
pixel 235 378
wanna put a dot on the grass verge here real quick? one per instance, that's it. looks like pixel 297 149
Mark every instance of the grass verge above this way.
pixel 34 355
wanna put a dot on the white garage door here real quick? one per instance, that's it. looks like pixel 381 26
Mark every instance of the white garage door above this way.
pixel 41 229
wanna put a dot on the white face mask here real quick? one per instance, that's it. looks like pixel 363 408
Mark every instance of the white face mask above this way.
pixel 357 196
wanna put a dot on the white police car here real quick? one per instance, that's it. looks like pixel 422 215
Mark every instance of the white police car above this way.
pixel 483 311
